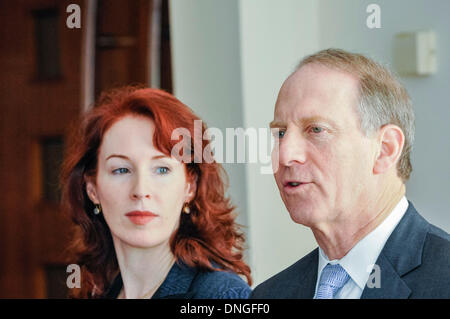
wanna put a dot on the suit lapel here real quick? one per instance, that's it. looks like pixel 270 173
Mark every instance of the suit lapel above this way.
pixel 401 254
pixel 307 268
pixel 391 285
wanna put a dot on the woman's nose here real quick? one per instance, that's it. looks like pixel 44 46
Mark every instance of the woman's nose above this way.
pixel 141 189
pixel 137 195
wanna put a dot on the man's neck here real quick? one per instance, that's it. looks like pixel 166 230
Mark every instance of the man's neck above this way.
pixel 337 239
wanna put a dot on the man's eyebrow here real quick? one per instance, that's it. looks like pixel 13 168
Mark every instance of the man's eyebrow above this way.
pixel 275 124
pixel 304 121
pixel 127 158
pixel 313 119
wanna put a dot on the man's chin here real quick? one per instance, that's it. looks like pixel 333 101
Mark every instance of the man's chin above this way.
pixel 304 216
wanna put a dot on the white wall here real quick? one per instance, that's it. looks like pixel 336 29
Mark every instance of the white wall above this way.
pixel 343 25
pixel 274 35
pixel 230 59
pixel 207 73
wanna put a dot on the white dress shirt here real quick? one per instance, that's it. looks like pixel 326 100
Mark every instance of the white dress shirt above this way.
pixel 359 261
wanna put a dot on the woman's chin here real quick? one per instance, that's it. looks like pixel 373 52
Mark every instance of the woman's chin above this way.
pixel 142 242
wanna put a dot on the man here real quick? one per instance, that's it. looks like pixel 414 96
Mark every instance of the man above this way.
pixel 345 128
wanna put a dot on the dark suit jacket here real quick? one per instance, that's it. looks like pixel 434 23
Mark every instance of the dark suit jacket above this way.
pixel 414 263
pixel 184 282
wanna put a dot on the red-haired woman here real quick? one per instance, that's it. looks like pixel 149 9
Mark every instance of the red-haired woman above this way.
pixel 151 225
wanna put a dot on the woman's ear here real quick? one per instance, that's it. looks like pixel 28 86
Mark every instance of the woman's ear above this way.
pixel 391 144
pixel 91 190
pixel 191 188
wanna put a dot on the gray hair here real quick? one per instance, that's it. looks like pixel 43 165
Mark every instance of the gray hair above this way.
pixel 382 99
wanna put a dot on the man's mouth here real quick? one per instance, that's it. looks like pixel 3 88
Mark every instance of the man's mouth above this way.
pixel 294 185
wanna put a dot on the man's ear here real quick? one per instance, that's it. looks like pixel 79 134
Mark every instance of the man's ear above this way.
pixel 91 190
pixel 391 142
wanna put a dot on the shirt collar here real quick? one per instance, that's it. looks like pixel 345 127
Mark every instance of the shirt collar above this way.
pixel 359 261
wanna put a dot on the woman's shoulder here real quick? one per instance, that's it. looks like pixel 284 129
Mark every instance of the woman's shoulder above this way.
pixel 220 284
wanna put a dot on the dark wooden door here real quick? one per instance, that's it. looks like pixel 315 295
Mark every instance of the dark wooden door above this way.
pixel 40 94
pixel 42 91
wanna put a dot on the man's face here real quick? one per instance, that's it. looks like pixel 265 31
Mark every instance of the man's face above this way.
pixel 325 161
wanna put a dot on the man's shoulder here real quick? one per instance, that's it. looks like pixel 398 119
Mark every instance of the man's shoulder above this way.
pixel 437 248
pixel 437 234
pixel 436 241
pixel 286 283
pixel 413 229
pixel 430 276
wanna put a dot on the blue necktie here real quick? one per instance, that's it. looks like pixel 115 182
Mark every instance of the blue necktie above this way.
pixel 332 279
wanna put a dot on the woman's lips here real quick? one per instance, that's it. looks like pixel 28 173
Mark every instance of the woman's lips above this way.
pixel 140 217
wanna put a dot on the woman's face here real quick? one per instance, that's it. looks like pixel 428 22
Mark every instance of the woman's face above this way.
pixel 141 190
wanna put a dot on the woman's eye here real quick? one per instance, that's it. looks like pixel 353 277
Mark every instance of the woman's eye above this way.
pixel 162 170
pixel 121 170
pixel 316 129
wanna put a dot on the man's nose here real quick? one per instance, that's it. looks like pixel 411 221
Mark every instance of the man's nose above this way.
pixel 292 149
pixel 140 188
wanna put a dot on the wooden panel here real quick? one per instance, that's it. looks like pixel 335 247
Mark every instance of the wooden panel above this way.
pixel 165 49
pixel 47 50
pixel 123 30
pixel 34 232
pixel 32 108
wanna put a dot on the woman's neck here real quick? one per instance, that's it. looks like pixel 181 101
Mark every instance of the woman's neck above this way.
pixel 143 270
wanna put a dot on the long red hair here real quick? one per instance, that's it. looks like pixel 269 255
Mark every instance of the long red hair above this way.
pixel 208 234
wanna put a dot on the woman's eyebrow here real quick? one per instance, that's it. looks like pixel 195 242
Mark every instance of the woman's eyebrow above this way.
pixel 117 155
pixel 127 158
pixel 159 156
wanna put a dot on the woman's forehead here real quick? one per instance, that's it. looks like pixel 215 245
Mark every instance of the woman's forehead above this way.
pixel 131 136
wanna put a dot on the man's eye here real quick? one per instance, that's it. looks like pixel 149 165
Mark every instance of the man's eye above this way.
pixel 121 170
pixel 277 132
pixel 281 133
pixel 162 170
pixel 316 129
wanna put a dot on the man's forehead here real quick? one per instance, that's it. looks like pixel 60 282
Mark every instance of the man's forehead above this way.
pixel 316 78
pixel 317 90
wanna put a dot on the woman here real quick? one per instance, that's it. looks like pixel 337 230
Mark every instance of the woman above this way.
pixel 152 225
